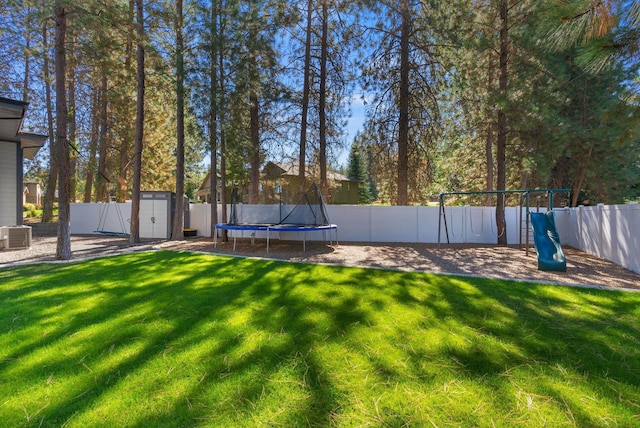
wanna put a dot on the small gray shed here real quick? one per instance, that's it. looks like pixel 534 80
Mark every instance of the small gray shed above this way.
pixel 156 214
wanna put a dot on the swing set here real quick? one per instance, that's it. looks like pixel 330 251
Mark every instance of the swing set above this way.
pixel 104 210
pixel 104 219
pixel 524 203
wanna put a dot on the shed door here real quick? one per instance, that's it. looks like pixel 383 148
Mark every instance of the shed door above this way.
pixel 154 215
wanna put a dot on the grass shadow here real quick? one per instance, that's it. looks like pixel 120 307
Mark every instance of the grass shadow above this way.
pixel 177 339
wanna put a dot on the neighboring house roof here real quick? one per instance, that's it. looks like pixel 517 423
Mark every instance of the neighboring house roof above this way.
pixel 274 170
pixel 206 183
pixel 11 116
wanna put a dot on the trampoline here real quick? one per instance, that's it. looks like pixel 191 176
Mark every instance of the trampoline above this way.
pixel 268 228
pixel 309 215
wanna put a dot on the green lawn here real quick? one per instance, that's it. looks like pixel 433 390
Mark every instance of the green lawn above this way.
pixel 177 339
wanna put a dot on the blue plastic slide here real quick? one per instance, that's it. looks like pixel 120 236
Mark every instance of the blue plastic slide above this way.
pixel 545 237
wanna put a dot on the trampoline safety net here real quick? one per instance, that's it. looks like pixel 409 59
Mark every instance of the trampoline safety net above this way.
pixel 309 211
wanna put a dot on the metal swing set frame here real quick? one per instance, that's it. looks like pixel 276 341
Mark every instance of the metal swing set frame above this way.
pixel 524 197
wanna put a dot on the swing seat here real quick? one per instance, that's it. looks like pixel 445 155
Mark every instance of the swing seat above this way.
pixel 108 232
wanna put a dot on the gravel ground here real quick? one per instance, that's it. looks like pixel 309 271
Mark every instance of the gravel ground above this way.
pixel 486 261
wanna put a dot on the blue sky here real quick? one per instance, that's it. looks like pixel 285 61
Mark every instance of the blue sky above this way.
pixel 354 124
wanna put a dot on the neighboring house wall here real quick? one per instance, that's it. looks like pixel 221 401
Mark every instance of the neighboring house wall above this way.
pixel 289 190
pixel 344 192
pixel 9 184
pixel 340 191
pixel 33 195
pixel 203 194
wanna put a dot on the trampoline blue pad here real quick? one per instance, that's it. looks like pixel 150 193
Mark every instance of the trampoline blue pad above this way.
pixel 276 227
pixel 225 226
pixel 301 228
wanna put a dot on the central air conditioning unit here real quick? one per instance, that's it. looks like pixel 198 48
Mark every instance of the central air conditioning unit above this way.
pixel 15 237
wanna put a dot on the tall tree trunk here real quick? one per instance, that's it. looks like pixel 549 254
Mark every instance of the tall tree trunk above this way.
pixel 63 247
pixel 27 55
pixel 577 185
pixel 93 145
pixel 134 237
pixel 403 124
pixel 254 118
pixel 254 193
pixel 52 179
pixel 178 214
pixel 582 168
pixel 124 164
pixel 305 101
pixel 501 180
pixel 324 185
pixel 73 182
pixel 131 36
pixel 490 138
pixel 125 159
pixel 102 194
pixel 213 118
pixel 563 161
pixel 222 115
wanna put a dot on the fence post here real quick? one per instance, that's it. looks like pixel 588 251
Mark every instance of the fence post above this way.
pixel 634 234
pixel 580 226
pixel 600 211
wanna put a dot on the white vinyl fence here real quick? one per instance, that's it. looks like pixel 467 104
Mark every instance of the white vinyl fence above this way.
pixel 94 218
pixel 610 232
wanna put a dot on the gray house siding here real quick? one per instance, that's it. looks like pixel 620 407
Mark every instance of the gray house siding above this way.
pixel 10 184
pixel 15 146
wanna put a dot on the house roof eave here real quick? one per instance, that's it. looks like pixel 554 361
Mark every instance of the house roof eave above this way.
pixel 31 143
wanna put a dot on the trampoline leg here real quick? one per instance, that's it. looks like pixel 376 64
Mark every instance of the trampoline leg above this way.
pixel 215 237
pixel 267 240
pixel 304 242
pixel 234 244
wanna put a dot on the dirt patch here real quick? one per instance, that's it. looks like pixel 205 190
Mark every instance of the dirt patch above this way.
pixel 487 261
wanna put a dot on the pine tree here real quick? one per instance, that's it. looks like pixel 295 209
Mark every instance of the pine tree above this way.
pixel 63 247
pixel 52 178
pixel 402 74
pixel 606 31
pixel 178 211
pixel 139 138
pixel 302 160
pixel 357 171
